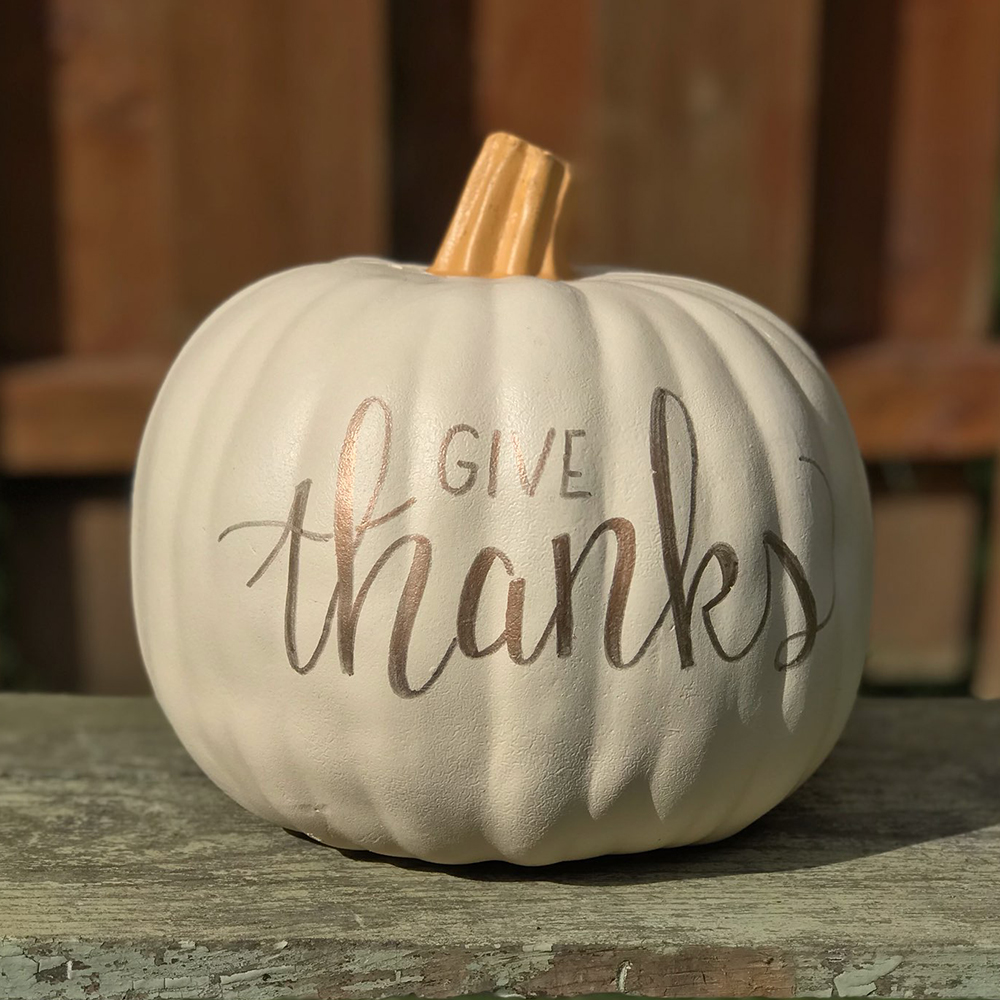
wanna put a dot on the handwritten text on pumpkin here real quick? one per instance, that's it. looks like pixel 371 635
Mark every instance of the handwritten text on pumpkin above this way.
pixel 681 587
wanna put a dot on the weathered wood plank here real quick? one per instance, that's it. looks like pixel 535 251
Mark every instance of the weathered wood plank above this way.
pixel 75 416
pixel 122 868
pixel 921 402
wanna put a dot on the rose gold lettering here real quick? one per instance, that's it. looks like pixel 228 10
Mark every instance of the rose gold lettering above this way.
pixel 345 607
pixel 468 603
pixel 491 487
pixel 567 472
pixel 471 467
pixel 530 485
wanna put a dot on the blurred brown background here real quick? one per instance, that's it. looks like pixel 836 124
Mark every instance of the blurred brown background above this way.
pixel 837 161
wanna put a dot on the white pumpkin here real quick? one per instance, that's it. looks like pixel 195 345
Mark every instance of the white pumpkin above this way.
pixel 462 568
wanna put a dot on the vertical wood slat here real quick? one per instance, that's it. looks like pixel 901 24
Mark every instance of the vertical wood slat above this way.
pixel 906 186
pixel 537 75
pixel 906 171
pixel 943 185
pixel 920 634
pixel 65 546
pixel 279 140
pixel 113 194
pixel 691 124
pixel 707 141
pixel 195 148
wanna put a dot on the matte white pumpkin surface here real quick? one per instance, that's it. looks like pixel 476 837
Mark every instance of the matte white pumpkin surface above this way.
pixel 697 661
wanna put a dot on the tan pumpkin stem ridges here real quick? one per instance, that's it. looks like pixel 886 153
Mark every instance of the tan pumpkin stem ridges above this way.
pixel 508 219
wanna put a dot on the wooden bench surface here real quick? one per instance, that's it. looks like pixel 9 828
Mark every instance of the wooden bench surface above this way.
pixel 125 873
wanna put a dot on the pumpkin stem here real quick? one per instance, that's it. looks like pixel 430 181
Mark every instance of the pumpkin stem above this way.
pixel 507 221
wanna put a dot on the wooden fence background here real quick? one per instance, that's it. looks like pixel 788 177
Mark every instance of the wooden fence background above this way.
pixel 836 161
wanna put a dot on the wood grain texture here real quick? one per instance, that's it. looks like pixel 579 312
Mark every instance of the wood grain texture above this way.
pixel 706 141
pixel 921 402
pixel 74 415
pixel 178 151
pixel 907 171
pixel 942 191
pixel 113 194
pixel 280 140
pixel 124 872
pixel 688 125
pixel 538 73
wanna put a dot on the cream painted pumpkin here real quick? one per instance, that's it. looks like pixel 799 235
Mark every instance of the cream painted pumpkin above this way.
pixel 461 567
